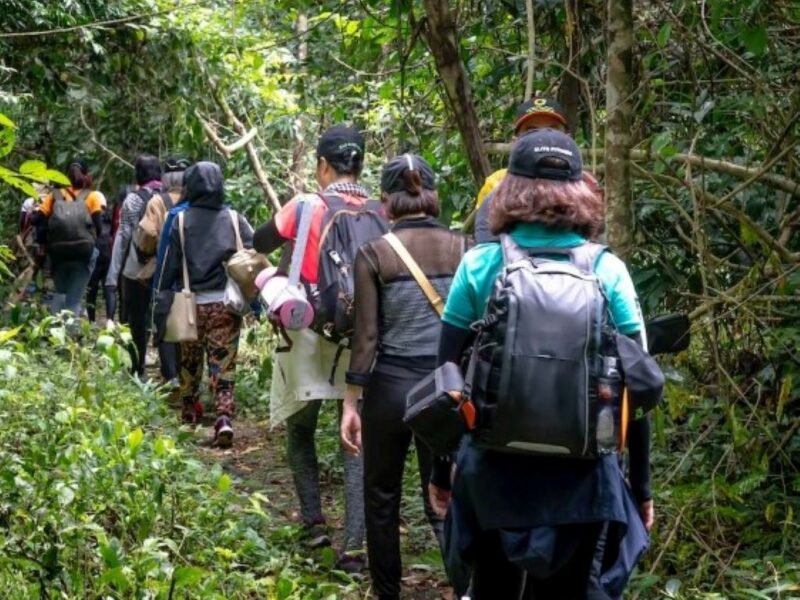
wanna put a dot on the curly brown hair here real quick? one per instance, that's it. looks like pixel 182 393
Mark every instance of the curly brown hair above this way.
pixel 570 205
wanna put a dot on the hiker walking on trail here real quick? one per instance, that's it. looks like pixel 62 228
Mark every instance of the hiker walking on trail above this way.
pixel 97 280
pixel 534 490
pixel 396 337
pixel 73 218
pixel 537 113
pixel 126 262
pixel 145 242
pixel 204 236
pixel 313 370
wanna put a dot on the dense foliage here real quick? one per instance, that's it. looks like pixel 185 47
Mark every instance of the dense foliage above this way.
pixel 102 496
pixel 716 91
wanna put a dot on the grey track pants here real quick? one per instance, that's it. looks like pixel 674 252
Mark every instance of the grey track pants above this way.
pixel 302 455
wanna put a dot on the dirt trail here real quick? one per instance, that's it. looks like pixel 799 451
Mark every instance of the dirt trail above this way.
pixel 258 461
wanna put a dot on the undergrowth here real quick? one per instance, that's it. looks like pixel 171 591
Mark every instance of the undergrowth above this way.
pixel 101 497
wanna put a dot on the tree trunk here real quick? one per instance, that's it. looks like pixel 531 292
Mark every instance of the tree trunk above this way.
pixel 619 86
pixel 569 91
pixel 441 38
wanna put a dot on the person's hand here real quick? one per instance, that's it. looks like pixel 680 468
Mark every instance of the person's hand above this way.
pixel 350 429
pixel 439 499
pixel 648 514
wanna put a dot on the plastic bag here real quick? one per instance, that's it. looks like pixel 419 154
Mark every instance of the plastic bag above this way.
pixel 234 299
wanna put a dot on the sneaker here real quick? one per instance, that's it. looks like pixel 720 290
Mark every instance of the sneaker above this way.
pixel 351 563
pixel 192 412
pixel 223 432
pixel 316 535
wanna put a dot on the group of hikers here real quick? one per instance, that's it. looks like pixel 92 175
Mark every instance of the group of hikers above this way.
pixel 520 466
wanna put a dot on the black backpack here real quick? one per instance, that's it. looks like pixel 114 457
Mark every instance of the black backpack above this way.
pixel 69 229
pixel 345 227
pixel 543 374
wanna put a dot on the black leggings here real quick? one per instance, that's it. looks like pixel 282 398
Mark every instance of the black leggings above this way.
pixel 495 577
pixel 386 441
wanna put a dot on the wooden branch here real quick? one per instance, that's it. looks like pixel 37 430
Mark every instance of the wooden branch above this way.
pixel 441 35
pixel 252 155
pixel 225 149
pixel 97 142
pixel 773 180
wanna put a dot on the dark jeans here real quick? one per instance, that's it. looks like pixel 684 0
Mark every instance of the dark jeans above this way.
pixel 495 577
pixel 385 442
pixel 69 280
pixel 169 356
pixel 95 284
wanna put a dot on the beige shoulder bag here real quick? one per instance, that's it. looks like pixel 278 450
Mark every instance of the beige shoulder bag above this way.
pixel 245 263
pixel 182 317
pixel 424 283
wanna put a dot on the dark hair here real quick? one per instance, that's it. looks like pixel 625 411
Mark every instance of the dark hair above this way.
pixel 570 205
pixel 414 199
pixel 347 165
pixel 78 175
pixel 147 168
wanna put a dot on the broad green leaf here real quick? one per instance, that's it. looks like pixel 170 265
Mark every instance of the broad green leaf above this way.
pixel 6 122
pixel 663 34
pixel 32 167
pixel 224 483
pixel 188 575
pixel 135 438
pixel 755 40
pixel 8 334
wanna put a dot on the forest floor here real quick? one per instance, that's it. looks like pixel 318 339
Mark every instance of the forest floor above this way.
pixel 257 462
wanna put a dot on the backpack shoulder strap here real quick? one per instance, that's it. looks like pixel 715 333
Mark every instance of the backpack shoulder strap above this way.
pixel 306 208
pixel 235 220
pixel 167 200
pixel 184 265
pixel 511 250
pixel 586 255
pixel 83 195
pixel 422 281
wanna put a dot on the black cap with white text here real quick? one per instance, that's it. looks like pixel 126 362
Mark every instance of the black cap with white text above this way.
pixel 531 154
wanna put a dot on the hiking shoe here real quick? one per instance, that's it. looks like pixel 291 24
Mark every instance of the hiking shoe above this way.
pixel 316 535
pixel 351 563
pixel 192 412
pixel 223 432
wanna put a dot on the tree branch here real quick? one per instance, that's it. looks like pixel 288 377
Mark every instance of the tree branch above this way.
pixel 711 164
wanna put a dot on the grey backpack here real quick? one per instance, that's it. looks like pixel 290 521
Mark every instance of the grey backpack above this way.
pixel 538 358
pixel 69 229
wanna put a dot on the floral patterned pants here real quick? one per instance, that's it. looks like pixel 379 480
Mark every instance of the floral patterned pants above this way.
pixel 217 342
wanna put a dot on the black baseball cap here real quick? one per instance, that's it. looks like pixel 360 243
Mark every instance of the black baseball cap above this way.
pixel 529 150
pixel 539 106
pixel 175 163
pixel 392 176
pixel 340 143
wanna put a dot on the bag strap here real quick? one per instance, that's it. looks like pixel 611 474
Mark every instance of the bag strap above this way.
pixel 183 253
pixel 301 241
pixel 167 200
pixel 235 221
pixel 424 283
